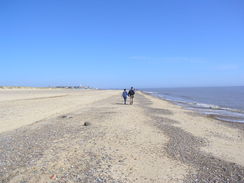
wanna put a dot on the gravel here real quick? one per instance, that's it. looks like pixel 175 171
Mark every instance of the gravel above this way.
pixel 23 151
pixel 31 151
pixel 185 147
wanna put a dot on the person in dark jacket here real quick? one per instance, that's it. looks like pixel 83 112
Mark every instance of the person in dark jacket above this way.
pixel 124 95
pixel 131 94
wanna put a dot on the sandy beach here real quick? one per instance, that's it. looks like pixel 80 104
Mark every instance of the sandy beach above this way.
pixel 43 139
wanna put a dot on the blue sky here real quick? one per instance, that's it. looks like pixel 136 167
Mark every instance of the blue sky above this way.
pixel 116 44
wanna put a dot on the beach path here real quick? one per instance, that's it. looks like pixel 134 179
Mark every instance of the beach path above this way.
pixel 150 141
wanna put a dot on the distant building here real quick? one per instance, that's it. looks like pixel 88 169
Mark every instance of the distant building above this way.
pixel 74 87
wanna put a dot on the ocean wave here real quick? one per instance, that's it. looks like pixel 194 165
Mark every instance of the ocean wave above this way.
pixel 220 113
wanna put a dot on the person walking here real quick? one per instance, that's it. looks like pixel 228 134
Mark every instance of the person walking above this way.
pixel 131 94
pixel 124 95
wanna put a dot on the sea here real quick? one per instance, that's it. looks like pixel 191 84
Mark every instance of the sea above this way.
pixel 223 103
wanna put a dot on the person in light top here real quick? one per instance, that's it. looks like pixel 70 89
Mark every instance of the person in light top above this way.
pixel 124 95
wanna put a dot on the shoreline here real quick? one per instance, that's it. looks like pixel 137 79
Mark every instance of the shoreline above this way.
pixel 150 141
pixel 239 125
pixel 224 118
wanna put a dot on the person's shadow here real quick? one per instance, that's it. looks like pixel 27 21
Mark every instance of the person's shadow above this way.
pixel 121 104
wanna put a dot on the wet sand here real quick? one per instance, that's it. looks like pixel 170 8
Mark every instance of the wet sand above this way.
pixel 43 139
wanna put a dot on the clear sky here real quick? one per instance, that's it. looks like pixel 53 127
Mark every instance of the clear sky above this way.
pixel 119 43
